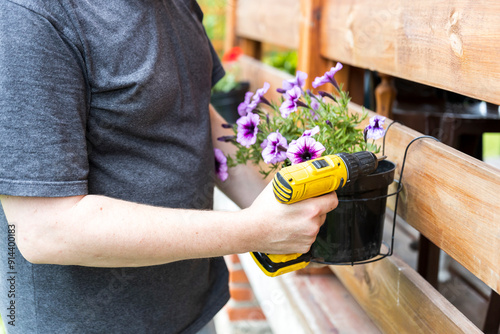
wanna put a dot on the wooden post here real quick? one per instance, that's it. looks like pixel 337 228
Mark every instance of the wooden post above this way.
pixel 251 48
pixel 492 321
pixel 356 86
pixel 343 77
pixel 428 261
pixel 352 80
pixel 230 38
pixel 310 60
pixel 385 94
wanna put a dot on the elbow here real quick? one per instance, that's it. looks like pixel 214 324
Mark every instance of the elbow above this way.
pixel 33 258
pixel 37 249
pixel 38 226
pixel 32 252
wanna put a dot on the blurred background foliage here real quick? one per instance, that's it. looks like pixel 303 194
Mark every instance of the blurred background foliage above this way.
pixel 214 21
pixel 285 60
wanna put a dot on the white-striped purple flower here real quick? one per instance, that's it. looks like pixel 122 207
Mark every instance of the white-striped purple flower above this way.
pixel 314 116
pixel 314 104
pixel 298 81
pixel 259 96
pixel 375 129
pixel 220 165
pixel 328 77
pixel 303 149
pixel 312 132
pixel 291 102
pixel 243 107
pixel 247 129
pixel 274 148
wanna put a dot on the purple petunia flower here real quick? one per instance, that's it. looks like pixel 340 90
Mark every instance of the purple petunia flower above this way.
pixel 312 132
pixel 314 116
pixel 243 107
pixel 299 81
pixel 259 96
pixel 375 129
pixel 303 149
pixel 247 129
pixel 220 165
pixel 315 104
pixel 274 148
pixel 291 102
pixel 328 77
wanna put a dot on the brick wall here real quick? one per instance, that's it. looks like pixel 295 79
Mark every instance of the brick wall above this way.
pixel 243 311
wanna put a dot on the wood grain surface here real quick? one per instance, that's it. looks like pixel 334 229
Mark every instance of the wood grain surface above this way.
pixel 307 304
pixel 275 22
pixel 309 59
pixel 451 44
pixel 399 300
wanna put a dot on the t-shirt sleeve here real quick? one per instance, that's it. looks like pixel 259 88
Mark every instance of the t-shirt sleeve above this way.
pixel 217 69
pixel 43 107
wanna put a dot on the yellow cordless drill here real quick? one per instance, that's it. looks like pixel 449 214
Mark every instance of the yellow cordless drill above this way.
pixel 310 179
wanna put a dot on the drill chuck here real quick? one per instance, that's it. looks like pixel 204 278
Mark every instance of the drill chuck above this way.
pixel 359 163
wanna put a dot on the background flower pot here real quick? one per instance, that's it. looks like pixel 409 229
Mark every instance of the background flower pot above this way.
pixel 227 103
pixel 354 230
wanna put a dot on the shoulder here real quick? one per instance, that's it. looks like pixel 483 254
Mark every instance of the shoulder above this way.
pixel 32 7
pixel 22 12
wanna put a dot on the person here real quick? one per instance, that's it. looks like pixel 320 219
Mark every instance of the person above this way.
pixel 106 172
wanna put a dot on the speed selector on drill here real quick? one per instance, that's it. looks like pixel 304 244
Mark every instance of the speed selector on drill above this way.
pixel 310 179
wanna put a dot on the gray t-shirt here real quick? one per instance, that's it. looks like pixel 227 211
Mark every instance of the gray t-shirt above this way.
pixel 107 97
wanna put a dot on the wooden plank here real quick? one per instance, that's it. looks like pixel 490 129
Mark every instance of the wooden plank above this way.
pixel 306 303
pixel 399 300
pixel 452 44
pixel 451 198
pixel 275 22
pixel 327 305
pixel 280 312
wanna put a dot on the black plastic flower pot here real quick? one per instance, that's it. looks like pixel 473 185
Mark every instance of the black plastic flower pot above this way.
pixel 353 232
pixel 227 103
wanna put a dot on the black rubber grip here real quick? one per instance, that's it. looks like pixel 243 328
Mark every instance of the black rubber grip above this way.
pixel 273 267
pixel 359 163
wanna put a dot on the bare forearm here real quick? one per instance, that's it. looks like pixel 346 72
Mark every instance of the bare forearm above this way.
pixel 105 232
